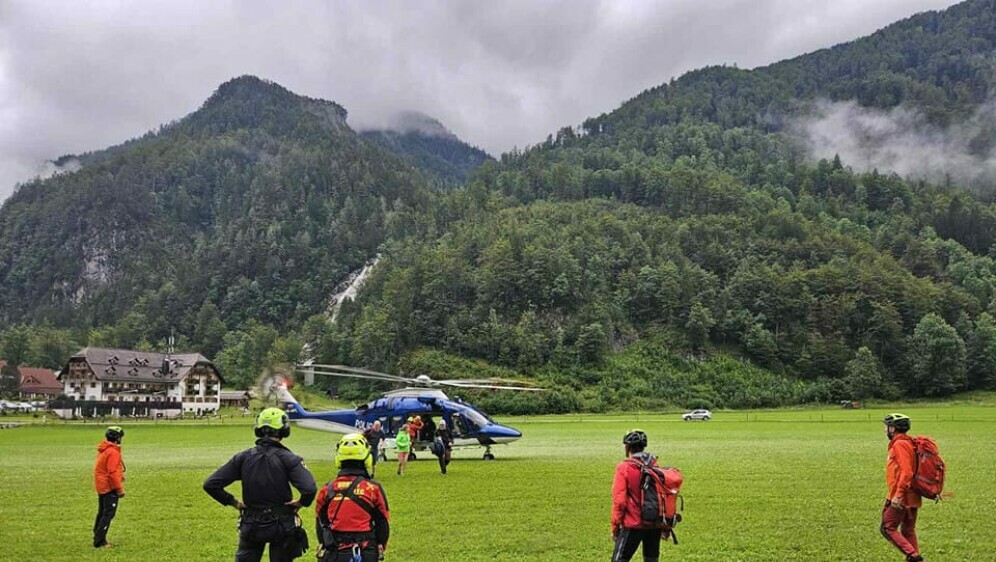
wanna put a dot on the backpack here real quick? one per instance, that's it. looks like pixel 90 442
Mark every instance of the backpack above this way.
pixel 660 487
pixel 928 481
pixel 325 522
pixel 438 448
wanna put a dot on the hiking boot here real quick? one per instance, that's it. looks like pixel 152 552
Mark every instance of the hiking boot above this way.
pixel 916 558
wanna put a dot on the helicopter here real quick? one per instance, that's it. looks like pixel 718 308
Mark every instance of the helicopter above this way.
pixel 469 425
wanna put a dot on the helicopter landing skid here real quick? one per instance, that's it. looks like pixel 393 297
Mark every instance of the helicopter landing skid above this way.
pixel 488 455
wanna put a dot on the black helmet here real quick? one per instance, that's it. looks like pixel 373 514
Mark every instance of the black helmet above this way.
pixel 899 421
pixel 114 434
pixel 635 439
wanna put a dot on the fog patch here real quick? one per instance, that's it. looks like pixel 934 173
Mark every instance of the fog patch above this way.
pixel 406 122
pixel 64 165
pixel 901 140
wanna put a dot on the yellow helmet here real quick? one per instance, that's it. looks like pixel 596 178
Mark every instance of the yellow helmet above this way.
pixel 353 447
pixel 272 421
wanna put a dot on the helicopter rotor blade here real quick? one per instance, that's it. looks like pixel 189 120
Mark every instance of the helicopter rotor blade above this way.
pixel 375 377
pixel 461 384
pixel 347 368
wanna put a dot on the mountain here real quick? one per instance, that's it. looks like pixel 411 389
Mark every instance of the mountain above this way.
pixel 691 249
pixel 252 208
pixel 819 229
pixel 427 144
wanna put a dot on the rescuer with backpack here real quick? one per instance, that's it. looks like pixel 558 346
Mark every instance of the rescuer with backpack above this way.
pixel 352 519
pixel 268 510
pixel 914 470
pixel 108 480
pixel 644 496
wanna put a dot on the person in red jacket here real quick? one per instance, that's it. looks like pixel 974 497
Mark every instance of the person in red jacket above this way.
pixel 628 529
pixel 901 506
pixel 108 480
pixel 352 519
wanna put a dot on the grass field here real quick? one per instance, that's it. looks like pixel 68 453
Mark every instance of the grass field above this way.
pixel 764 486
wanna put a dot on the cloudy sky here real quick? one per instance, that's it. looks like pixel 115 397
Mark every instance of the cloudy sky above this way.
pixel 78 76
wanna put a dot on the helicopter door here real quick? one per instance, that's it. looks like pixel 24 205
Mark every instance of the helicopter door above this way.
pixel 395 425
pixel 459 424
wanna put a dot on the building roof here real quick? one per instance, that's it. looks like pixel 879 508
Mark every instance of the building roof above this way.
pixel 36 380
pixel 234 394
pixel 129 365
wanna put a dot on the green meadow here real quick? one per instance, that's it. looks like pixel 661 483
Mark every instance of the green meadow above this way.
pixel 759 486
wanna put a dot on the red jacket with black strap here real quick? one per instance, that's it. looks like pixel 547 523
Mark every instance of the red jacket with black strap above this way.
pixel 626 493
pixel 345 515
pixel 108 471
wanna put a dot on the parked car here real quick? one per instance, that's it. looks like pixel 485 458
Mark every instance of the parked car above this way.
pixel 704 415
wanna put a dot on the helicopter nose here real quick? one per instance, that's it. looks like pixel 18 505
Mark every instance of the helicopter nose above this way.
pixel 502 434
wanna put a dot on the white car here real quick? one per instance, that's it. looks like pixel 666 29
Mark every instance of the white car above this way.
pixel 704 415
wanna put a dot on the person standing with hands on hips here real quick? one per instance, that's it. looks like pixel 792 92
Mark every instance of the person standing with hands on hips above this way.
pixel 268 508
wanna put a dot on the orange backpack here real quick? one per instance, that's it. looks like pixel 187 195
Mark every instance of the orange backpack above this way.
pixel 661 487
pixel 928 481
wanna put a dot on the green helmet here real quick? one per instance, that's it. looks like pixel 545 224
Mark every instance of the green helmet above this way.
pixel 900 421
pixel 353 447
pixel 272 422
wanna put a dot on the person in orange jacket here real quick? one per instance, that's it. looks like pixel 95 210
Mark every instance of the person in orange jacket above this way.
pixel 415 425
pixel 628 528
pixel 108 480
pixel 899 514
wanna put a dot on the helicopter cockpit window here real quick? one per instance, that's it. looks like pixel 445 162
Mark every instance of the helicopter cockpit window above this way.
pixel 474 418
pixel 460 425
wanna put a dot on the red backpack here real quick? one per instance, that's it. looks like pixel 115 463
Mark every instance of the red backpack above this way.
pixel 661 487
pixel 929 478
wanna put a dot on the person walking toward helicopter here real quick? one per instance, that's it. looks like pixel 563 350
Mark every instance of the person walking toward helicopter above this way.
pixel 352 519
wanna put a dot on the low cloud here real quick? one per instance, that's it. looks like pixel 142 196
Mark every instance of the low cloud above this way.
pixel 903 141
pixel 81 76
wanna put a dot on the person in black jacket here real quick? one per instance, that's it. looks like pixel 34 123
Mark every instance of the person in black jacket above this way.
pixel 268 508
pixel 445 442
pixel 374 435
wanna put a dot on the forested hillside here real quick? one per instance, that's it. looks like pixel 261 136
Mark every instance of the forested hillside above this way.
pixel 691 225
pixel 686 249
pixel 247 212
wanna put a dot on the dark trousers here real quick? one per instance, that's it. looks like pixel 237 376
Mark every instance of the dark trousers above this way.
pixel 107 508
pixel 444 460
pixel 899 528
pixel 628 541
pixel 254 536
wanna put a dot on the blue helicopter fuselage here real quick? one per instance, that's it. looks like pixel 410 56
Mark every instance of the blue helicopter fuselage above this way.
pixel 468 425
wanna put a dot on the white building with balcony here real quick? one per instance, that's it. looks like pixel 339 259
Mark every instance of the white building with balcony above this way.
pixel 119 382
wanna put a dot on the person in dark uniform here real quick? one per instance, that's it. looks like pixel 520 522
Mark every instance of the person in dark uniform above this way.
pixel 445 442
pixel 268 508
pixel 352 519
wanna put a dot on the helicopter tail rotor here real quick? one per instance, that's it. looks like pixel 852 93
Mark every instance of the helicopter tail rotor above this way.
pixel 274 386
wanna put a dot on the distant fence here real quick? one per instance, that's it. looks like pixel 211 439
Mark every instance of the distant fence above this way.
pixel 102 408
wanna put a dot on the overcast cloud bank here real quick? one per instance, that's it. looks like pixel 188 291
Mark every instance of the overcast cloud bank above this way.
pixel 82 76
